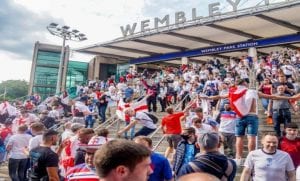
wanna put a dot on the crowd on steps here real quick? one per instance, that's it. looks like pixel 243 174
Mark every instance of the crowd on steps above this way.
pixel 56 139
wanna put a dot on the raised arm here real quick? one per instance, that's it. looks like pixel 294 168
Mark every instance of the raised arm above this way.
pixel 274 97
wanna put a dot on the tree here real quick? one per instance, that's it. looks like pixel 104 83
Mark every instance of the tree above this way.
pixel 14 89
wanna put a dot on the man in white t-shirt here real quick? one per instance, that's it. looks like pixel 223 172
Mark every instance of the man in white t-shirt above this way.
pixel 37 130
pixel 227 129
pixel 80 110
pixel 269 163
pixel 141 118
pixel 200 127
pixel 17 146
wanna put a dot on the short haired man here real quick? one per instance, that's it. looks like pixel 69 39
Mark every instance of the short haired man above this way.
pixel 210 160
pixel 186 149
pixel 280 110
pixel 160 165
pixel 290 143
pixel 269 163
pixel 43 161
pixel 171 126
pixel 37 130
pixel 132 162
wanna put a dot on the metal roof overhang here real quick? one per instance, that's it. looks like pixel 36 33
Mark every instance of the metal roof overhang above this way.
pixel 257 24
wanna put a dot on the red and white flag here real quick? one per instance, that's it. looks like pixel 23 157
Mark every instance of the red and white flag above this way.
pixel 137 106
pixel 241 99
pixel 7 107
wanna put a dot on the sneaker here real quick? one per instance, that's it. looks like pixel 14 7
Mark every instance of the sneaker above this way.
pixel 239 162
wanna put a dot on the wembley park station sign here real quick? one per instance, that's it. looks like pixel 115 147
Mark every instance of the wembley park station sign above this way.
pixel 180 18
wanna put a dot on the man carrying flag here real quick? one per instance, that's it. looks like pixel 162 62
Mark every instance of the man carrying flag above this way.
pixel 243 101
pixel 139 106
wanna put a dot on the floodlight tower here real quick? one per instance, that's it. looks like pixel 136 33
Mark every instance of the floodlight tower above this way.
pixel 65 33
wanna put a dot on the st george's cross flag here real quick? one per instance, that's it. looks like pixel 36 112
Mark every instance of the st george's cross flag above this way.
pixel 7 107
pixel 139 106
pixel 241 99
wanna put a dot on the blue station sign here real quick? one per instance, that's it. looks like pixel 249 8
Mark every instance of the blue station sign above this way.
pixel 225 48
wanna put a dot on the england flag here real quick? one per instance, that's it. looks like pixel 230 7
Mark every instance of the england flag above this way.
pixel 139 106
pixel 241 99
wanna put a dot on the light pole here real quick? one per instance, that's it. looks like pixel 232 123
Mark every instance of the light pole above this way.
pixel 65 33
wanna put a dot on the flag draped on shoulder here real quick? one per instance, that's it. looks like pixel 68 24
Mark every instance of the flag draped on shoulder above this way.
pixel 241 99
pixel 139 106
pixel 7 107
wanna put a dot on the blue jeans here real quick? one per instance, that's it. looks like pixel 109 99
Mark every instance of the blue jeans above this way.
pixel 89 121
pixel 265 103
pixel 131 131
pixel 281 116
pixel 250 122
pixel 144 131
pixel 17 169
pixel 102 110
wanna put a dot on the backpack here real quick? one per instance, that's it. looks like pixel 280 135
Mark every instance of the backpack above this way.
pixel 215 169
pixel 152 117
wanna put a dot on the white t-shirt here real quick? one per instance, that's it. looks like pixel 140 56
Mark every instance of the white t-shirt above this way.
pixel 35 141
pixel 74 145
pixel 144 120
pixel 66 134
pixel 227 124
pixel 287 69
pixel 19 142
pixel 54 114
pixel 269 166
pixel 205 128
pixel 81 107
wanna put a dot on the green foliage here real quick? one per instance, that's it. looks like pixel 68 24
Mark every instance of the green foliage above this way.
pixel 14 89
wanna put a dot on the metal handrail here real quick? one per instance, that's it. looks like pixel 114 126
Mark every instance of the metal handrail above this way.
pixel 180 103
pixel 158 143
pixel 106 122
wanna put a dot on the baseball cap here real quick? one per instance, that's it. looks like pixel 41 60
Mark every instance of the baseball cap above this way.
pixel 94 143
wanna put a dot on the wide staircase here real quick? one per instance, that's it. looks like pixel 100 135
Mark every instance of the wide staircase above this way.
pixel 160 144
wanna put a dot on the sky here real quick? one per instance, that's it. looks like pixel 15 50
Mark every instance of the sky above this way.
pixel 23 22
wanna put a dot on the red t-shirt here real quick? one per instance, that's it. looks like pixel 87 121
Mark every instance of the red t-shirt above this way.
pixel 172 123
pixel 292 147
pixel 4 132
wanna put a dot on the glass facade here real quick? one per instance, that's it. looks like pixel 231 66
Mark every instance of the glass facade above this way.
pixel 77 73
pixel 122 69
pixel 46 71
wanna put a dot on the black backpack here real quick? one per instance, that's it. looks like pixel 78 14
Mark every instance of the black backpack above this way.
pixel 152 117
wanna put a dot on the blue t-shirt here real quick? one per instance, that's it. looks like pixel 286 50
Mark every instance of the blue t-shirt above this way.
pixel 128 92
pixel 161 168
pixel 189 153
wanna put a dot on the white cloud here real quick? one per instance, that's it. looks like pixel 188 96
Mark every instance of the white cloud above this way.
pixel 13 67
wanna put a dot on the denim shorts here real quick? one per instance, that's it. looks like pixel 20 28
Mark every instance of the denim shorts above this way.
pixel 249 122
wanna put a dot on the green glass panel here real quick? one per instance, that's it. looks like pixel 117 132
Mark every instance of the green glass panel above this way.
pixel 77 73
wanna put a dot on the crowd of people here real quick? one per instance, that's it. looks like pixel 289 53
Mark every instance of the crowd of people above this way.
pixel 217 110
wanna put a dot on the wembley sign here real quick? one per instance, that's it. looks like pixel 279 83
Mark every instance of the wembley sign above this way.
pixel 180 18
